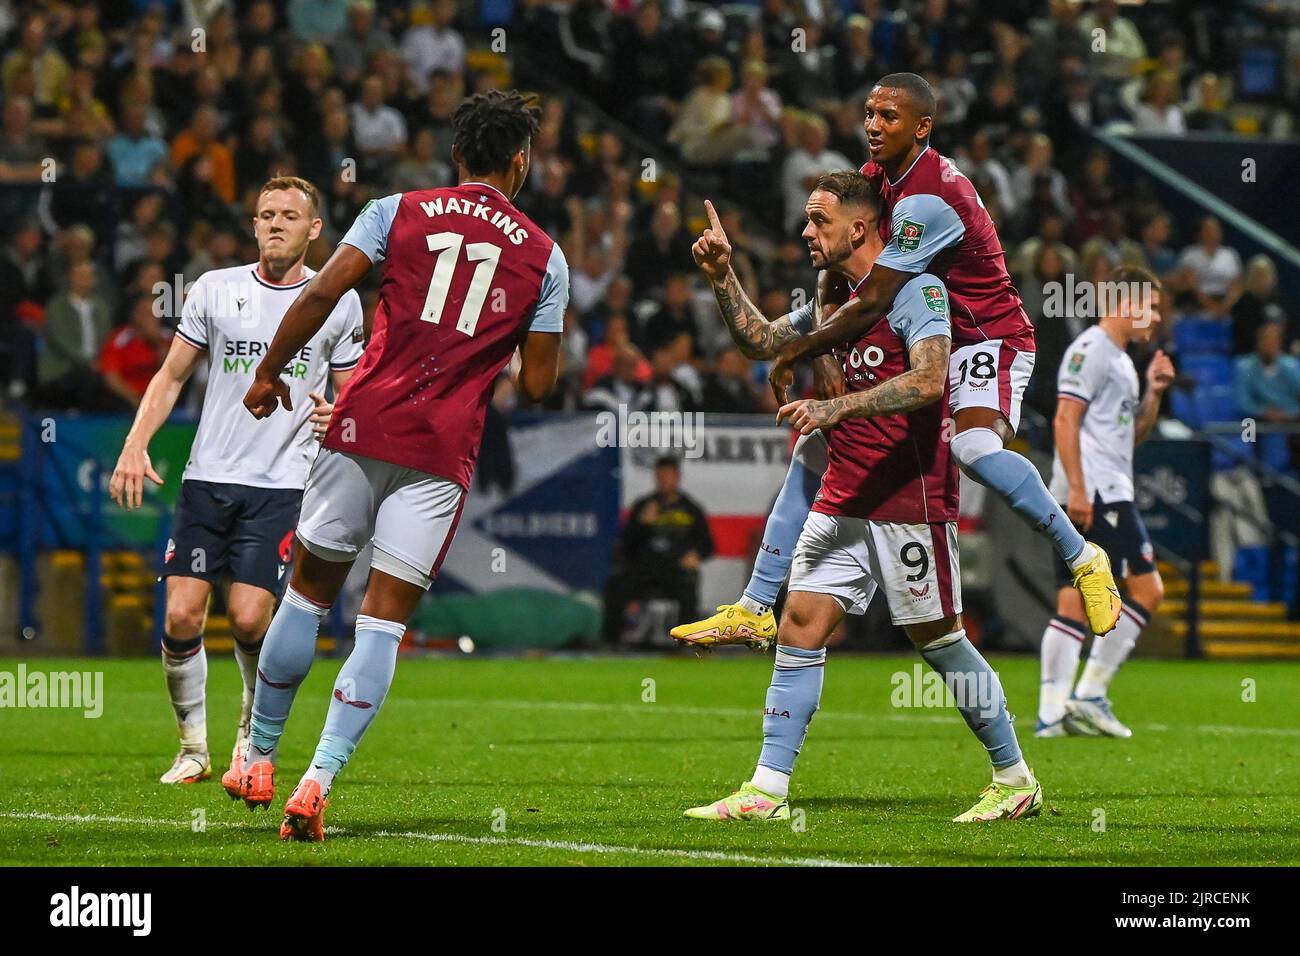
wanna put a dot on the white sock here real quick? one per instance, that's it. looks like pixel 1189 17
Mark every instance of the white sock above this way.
pixel 248 671
pixel 1109 652
pixel 1059 661
pixel 771 781
pixel 323 776
pixel 1083 557
pixel 187 679
pixel 1017 775
pixel 752 606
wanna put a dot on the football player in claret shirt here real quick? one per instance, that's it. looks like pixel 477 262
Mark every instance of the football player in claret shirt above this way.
pixel 466 280
pixel 935 222
pixel 885 515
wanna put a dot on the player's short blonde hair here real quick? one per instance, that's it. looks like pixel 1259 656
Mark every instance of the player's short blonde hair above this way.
pixel 293 182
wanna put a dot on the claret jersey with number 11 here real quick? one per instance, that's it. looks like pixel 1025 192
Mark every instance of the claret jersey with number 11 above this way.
pixel 465 276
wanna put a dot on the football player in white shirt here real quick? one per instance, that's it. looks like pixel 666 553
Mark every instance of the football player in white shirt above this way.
pixel 243 484
pixel 1099 421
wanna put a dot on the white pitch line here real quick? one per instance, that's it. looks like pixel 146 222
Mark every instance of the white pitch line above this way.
pixel 714 856
pixel 822 715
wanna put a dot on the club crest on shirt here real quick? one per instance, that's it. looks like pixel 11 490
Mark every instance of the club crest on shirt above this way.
pixel 908 235
pixel 935 300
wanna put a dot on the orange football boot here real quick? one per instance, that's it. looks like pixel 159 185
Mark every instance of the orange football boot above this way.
pixel 304 814
pixel 252 783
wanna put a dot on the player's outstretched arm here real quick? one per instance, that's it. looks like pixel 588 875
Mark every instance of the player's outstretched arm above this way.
pixel 343 271
pixel 848 324
pixel 126 487
pixel 917 387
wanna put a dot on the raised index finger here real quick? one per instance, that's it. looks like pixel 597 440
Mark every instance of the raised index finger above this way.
pixel 714 222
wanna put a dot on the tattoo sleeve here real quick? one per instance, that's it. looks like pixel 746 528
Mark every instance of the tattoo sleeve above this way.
pixel 754 335
pixel 917 387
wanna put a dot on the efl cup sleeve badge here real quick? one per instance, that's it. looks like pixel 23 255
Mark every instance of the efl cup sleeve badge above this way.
pixel 908 235
pixel 934 298
pixel 1076 362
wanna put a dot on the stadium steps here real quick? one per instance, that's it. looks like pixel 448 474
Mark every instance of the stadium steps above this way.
pixel 11 445
pixel 1232 623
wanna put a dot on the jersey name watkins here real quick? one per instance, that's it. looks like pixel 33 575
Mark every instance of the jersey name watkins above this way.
pixel 442 205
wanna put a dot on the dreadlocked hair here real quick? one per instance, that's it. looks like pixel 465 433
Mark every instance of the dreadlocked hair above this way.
pixel 491 127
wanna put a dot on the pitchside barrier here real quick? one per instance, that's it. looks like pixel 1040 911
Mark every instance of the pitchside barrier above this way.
pixel 74 555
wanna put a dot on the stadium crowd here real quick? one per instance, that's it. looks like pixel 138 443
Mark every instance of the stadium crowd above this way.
pixel 135 136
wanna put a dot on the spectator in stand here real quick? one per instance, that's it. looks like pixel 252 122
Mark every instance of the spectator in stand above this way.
pixel 378 130
pixel 1258 306
pixel 659 552
pixel 1051 232
pixel 131 243
pixel 804 164
pixel 22 150
pixel 729 388
pixel 665 248
pixel 978 163
pixel 37 66
pixel 858 67
pixel 421 168
pixel 673 318
pixel 1207 110
pixel 1156 232
pixel 706 131
pixel 1212 271
pixel 649 67
pixel 134 353
pixel 431 44
pixel 1123 48
pixel 1113 244
pixel 353 47
pixel 624 384
pixel 1159 111
pixel 76 324
pixel 135 153
pixel 1037 165
pixel 756 107
pixel 200 139
pixel 1268 381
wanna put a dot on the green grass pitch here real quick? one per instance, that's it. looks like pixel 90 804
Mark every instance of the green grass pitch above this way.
pixel 562 761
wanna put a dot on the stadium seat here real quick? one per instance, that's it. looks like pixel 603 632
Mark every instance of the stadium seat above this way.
pixel 1194 335
pixel 1252 565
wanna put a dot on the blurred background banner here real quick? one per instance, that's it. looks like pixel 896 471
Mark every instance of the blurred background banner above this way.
pixel 554 527
pixel 72 475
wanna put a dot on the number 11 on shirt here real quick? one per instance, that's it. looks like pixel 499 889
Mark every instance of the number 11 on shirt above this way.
pixel 448 246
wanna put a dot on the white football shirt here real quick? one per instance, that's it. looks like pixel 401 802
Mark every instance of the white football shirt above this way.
pixel 1099 373
pixel 233 314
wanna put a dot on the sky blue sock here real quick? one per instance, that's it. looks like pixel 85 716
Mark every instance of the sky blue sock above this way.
pixel 978 692
pixel 1015 478
pixel 359 692
pixel 287 653
pixel 781 533
pixel 792 699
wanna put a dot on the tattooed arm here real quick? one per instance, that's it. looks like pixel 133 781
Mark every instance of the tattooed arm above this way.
pixel 917 387
pixel 754 335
